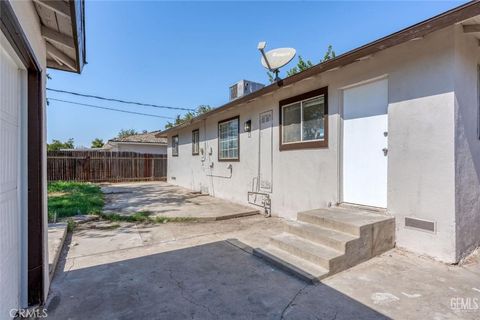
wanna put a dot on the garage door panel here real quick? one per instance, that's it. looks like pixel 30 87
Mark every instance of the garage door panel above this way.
pixel 10 110
pixel 10 85
pixel 9 156
pixel 9 251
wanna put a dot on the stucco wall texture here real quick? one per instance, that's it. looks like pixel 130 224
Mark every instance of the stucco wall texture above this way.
pixel 467 143
pixel 434 152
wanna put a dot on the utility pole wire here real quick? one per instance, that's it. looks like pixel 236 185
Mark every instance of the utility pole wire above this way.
pixel 118 100
pixel 111 109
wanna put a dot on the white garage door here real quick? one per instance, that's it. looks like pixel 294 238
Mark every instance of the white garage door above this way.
pixel 10 112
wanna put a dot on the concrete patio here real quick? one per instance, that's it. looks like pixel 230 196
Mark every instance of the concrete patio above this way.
pixel 190 270
pixel 163 199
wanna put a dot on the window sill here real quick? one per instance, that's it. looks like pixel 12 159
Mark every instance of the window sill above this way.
pixel 228 160
pixel 304 145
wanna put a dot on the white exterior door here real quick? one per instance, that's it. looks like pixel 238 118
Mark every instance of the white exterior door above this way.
pixel 365 134
pixel 10 158
pixel 265 151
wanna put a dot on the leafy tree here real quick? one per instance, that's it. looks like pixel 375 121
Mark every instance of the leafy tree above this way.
pixel 301 65
pixel 57 145
pixel 188 116
pixel 126 132
pixel 304 64
pixel 330 54
pixel 97 143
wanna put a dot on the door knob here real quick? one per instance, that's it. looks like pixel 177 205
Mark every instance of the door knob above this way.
pixel 385 151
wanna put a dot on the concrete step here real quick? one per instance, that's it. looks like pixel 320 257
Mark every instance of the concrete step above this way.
pixel 325 236
pixel 305 249
pixel 291 264
pixel 57 232
pixel 347 220
pixel 326 241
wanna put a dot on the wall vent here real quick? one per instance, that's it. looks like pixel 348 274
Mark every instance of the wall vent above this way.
pixel 424 225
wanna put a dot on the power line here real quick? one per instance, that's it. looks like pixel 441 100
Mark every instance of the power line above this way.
pixel 118 100
pixel 111 109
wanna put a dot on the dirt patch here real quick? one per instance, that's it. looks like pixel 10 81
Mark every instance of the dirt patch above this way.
pixel 57 194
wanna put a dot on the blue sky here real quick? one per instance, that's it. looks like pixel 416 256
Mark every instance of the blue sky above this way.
pixel 185 54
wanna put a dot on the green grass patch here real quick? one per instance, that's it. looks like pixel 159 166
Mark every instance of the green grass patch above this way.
pixel 145 217
pixel 68 199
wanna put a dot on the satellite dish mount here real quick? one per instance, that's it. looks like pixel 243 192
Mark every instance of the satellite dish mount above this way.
pixel 274 59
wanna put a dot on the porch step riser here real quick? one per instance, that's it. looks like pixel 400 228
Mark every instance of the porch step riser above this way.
pixel 313 236
pixel 328 223
pixel 294 250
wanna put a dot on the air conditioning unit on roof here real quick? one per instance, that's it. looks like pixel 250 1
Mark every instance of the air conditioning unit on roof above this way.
pixel 244 87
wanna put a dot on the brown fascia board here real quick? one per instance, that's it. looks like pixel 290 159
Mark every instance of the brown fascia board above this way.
pixel 77 10
pixel 415 31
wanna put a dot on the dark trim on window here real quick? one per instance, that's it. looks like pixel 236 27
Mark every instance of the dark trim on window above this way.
pixel 11 28
pixel 178 145
pixel 198 142
pixel 238 140
pixel 307 144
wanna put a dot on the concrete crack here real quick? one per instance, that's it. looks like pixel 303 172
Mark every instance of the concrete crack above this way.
pixel 66 273
pixel 191 301
pixel 335 315
pixel 290 303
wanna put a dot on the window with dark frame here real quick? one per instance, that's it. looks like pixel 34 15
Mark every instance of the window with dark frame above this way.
pixel 195 142
pixel 228 139
pixel 175 146
pixel 304 121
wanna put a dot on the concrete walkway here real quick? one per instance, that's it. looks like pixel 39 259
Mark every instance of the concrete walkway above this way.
pixel 188 270
pixel 163 199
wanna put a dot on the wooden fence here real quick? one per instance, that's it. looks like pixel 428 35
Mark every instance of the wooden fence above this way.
pixel 101 166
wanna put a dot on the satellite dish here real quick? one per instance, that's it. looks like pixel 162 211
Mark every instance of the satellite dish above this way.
pixel 274 59
pixel 277 58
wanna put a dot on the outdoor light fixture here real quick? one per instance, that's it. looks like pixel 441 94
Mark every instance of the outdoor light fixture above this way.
pixel 247 126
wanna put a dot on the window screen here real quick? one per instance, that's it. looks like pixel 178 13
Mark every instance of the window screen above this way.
pixel 175 146
pixel 195 142
pixel 228 139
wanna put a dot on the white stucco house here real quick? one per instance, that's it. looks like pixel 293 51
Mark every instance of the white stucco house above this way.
pixel 34 36
pixel 148 142
pixel 393 124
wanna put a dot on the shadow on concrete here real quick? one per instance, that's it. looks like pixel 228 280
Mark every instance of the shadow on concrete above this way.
pixel 210 281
